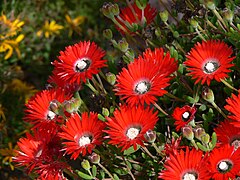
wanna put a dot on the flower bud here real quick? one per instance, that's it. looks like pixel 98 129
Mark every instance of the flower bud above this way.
pixel 141 4
pixel 194 23
pixel 207 94
pixel 150 136
pixel 123 45
pixel 55 106
pixel 115 9
pixel 205 138
pixel 106 10
pixel 198 132
pixel 188 132
pixel 158 32
pixel 85 164
pixel 111 78
pixel 105 111
pixel 210 4
pixel 94 158
pixel 164 15
pixel 228 15
pixel 107 33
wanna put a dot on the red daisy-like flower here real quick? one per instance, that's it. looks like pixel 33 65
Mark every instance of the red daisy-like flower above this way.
pixel 145 79
pixel 209 60
pixel 227 133
pixel 83 134
pixel 173 147
pixel 224 162
pixel 38 109
pixel 233 107
pixel 128 126
pixel 79 62
pixel 135 16
pixel 190 164
pixel 183 116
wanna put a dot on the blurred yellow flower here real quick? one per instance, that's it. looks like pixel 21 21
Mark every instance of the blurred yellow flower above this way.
pixel 50 29
pixel 22 88
pixel 8 45
pixel 8 153
pixel 73 24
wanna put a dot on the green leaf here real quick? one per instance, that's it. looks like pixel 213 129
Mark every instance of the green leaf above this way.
pixel 190 99
pixel 214 140
pixel 101 117
pixel 83 175
pixel 200 146
pixel 203 107
pixel 130 150
pixel 115 177
pixel 94 171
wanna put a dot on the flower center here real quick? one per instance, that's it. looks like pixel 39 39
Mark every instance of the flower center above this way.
pixel 39 153
pixel 186 115
pixel 132 132
pixel 142 87
pixel 210 66
pixel 236 144
pixel 84 140
pixel 224 166
pixel 190 176
pixel 82 64
pixel 51 115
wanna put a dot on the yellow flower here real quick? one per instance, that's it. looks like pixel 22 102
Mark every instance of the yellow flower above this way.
pixel 22 88
pixel 8 153
pixel 73 24
pixel 9 45
pixel 50 29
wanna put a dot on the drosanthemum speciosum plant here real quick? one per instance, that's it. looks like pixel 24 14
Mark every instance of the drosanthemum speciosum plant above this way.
pixel 162 103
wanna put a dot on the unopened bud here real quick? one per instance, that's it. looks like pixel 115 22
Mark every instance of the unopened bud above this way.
pixel 164 15
pixel 205 138
pixel 198 132
pixel 94 158
pixel 141 4
pixel 194 23
pixel 123 45
pixel 228 15
pixel 150 136
pixel 106 10
pixel 85 164
pixel 55 106
pixel 210 4
pixel 105 111
pixel 188 132
pixel 207 94
pixel 115 9
pixel 158 32
pixel 111 78
pixel 107 33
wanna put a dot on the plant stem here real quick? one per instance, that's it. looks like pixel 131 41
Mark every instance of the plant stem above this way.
pixel 158 150
pixel 199 34
pixel 219 110
pixel 103 168
pixel 88 84
pixel 147 151
pixel 160 109
pixel 101 84
pixel 129 170
pixel 174 97
pixel 220 18
pixel 194 144
pixel 228 85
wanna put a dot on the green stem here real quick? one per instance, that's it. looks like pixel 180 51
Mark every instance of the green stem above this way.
pixel 148 152
pixel 129 170
pixel 103 168
pixel 199 34
pixel 228 85
pixel 82 103
pixel 88 84
pixel 158 150
pixel 220 18
pixel 174 97
pixel 160 109
pixel 219 110
pixel 194 144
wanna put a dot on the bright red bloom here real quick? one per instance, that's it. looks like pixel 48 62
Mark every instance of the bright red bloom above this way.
pixel 183 116
pixel 185 165
pixel 227 133
pixel 129 124
pixel 137 17
pixel 144 79
pixel 38 107
pixel 209 60
pixel 83 134
pixel 233 107
pixel 173 147
pixel 79 62
pixel 224 162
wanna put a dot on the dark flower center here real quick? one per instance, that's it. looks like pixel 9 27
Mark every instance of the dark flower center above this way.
pixel 190 176
pixel 186 115
pixel 84 140
pixel 224 166
pixel 82 64
pixel 210 67
pixel 142 87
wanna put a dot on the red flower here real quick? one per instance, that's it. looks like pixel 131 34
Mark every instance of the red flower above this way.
pixel 209 60
pixel 173 147
pixel 228 134
pixel 135 16
pixel 233 107
pixel 38 107
pixel 224 162
pixel 83 134
pixel 145 78
pixel 128 126
pixel 79 62
pixel 183 116
pixel 185 165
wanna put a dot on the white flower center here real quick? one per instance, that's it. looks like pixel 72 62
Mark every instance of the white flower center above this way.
pixel 186 115
pixel 142 87
pixel 39 153
pixel 223 166
pixel 132 133
pixel 210 66
pixel 51 115
pixel 189 176
pixel 82 65
pixel 84 140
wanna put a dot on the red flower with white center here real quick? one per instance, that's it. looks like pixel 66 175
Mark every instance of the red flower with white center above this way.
pixel 209 60
pixel 83 134
pixel 233 106
pixel 190 164
pixel 135 16
pixel 79 62
pixel 224 162
pixel 227 133
pixel 129 124
pixel 144 79
pixel 183 116
pixel 38 109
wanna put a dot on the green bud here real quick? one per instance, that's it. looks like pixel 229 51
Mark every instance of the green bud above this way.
pixel 111 78
pixel 207 94
pixel 228 15
pixel 198 132
pixel 141 4
pixel 94 158
pixel 123 45
pixel 85 164
pixel 105 112
pixel 175 34
pixel 188 132
pixel 158 32
pixel 210 4
pixel 115 9
pixel 194 23
pixel 150 136
pixel 106 10
pixel 130 54
pixel 55 106
pixel 205 138
pixel 164 15
pixel 132 27
pixel 107 33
